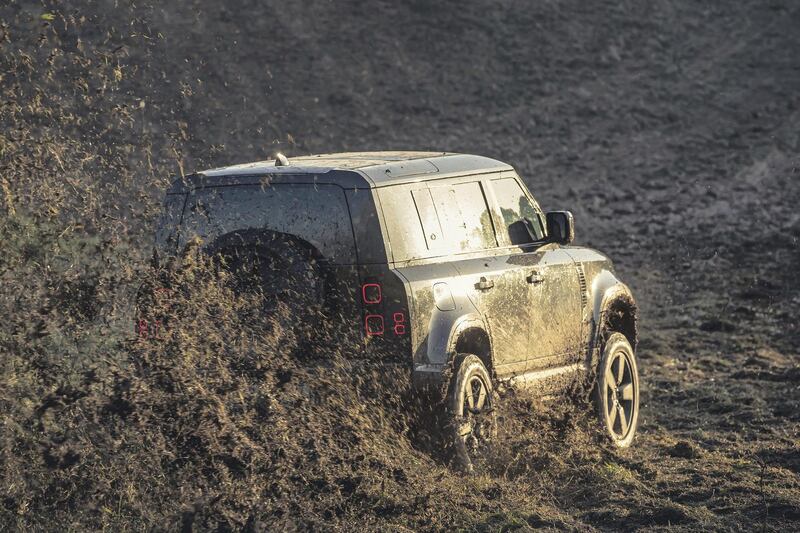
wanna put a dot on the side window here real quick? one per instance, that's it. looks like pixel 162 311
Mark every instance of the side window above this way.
pixel 427 216
pixel 521 222
pixel 400 211
pixel 464 216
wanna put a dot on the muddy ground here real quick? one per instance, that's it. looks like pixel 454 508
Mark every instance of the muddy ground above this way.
pixel 671 129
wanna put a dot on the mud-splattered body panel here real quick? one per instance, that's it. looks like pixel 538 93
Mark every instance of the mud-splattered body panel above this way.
pixel 429 255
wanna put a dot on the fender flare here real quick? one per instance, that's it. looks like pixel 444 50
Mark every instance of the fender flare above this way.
pixel 608 291
pixel 436 372
pixel 468 322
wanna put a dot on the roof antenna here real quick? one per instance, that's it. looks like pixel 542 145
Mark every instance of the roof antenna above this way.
pixel 281 160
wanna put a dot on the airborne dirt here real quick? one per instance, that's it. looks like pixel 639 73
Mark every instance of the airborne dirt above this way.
pixel 671 129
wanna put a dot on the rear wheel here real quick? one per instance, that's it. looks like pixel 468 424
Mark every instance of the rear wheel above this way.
pixel 471 410
pixel 617 391
pixel 284 278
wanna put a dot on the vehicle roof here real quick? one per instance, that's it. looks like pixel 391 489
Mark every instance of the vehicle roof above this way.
pixel 377 168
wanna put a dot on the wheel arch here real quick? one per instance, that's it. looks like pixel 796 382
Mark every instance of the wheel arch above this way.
pixel 470 335
pixel 614 309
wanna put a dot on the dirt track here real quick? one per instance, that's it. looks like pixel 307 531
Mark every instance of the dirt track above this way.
pixel 673 134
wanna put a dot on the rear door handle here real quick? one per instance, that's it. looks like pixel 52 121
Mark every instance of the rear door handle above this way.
pixel 535 278
pixel 484 284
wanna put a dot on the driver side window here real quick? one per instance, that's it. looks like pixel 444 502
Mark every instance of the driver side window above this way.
pixel 521 222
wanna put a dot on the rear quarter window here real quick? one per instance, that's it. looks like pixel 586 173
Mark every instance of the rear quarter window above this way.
pixel 403 225
pixel 431 221
pixel 317 214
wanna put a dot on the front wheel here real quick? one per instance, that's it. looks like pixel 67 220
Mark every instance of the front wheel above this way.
pixel 617 391
pixel 471 410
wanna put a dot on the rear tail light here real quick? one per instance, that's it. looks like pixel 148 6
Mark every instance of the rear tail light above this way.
pixel 371 293
pixel 399 324
pixel 149 306
pixel 373 325
pixel 374 321
pixel 148 330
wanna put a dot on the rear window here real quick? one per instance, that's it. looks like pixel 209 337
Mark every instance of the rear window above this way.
pixel 315 213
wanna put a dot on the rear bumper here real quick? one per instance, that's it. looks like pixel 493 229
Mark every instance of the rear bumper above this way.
pixel 428 377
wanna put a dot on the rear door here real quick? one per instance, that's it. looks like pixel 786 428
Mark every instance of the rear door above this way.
pixel 550 275
pixel 491 276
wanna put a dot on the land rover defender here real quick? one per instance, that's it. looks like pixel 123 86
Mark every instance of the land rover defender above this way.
pixel 441 261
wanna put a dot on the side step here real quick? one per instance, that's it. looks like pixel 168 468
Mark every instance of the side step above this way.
pixel 548 380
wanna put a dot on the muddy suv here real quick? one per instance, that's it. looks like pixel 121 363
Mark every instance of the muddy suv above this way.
pixel 443 262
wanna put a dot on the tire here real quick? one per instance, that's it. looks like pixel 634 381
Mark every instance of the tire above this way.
pixel 286 281
pixel 285 275
pixel 470 409
pixel 617 391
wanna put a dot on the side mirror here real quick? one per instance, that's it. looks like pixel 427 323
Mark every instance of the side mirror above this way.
pixel 560 227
